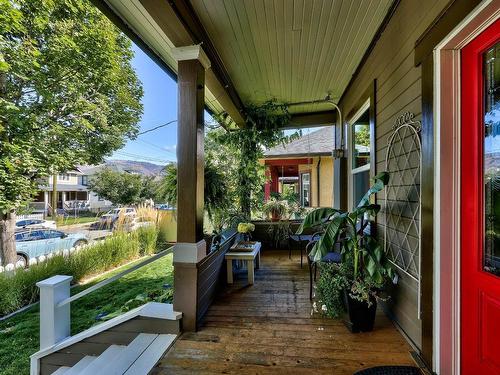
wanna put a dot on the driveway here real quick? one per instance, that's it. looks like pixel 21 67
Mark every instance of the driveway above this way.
pixel 92 235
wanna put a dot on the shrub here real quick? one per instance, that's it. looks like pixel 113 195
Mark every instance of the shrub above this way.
pixel 330 289
pixel 166 229
pixel 18 288
pixel 148 236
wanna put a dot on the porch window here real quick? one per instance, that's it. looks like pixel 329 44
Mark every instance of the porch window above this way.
pixel 305 189
pixel 85 180
pixel 359 153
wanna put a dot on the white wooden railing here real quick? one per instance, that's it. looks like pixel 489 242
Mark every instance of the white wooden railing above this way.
pixel 55 300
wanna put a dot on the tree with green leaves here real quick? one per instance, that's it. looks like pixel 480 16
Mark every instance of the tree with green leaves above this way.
pixel 68 96
pixel 216 188
pixel 121 188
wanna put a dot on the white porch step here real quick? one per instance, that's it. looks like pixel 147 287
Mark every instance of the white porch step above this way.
pixel 137 358
pixel 108 356
pixel 61 370
pixel 151 355
pixel 128 356
pixel 80 366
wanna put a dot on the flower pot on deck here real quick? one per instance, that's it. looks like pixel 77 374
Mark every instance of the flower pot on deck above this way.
pixel 361 317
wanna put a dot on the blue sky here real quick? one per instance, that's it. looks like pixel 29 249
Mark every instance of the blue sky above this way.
pixel 160 107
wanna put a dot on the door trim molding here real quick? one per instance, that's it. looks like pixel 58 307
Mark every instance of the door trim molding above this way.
pixel 447 170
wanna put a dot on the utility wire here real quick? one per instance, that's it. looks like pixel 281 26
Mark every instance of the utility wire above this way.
pixel 156 127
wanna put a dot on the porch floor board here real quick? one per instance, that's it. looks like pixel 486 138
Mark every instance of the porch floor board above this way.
pixel 269 328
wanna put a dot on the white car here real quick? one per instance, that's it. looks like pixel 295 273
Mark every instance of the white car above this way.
pixel 110 219
pixel 35 223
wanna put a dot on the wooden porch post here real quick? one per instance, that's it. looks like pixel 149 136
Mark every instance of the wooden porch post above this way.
pixel 267 185
pixel 190 247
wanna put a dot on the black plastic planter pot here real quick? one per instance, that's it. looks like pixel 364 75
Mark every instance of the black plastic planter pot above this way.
pixel 361 317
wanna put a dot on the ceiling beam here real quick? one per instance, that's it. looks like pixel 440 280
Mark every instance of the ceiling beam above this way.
pixel 311 119
pixel 187 15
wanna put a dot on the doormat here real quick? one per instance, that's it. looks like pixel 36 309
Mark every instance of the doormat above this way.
pixel 390 370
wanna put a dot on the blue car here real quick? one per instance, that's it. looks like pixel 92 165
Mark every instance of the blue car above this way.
pixel 31 243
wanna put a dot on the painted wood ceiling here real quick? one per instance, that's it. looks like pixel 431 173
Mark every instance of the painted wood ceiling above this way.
pixel 291 50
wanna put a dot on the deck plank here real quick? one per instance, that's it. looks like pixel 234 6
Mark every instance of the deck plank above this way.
pixel 269 327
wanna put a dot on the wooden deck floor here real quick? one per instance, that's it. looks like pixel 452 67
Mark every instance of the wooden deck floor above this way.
pixel 268 328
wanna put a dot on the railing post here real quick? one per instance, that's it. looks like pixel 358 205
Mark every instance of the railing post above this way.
pixel 55 321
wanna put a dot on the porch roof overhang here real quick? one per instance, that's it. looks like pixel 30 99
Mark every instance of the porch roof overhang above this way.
pixel 296 52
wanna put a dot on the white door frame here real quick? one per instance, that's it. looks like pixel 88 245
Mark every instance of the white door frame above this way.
pixel 447 180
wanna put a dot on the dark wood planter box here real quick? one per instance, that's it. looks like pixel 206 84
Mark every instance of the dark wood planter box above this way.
pixel 360 317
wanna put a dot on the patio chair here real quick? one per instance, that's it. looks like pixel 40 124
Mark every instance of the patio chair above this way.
pixel 302 238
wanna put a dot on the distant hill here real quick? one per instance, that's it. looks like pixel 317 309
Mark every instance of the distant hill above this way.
pixel 131 166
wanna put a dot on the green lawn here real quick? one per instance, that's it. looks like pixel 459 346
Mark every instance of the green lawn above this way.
pixel 19 335
pixel 76 220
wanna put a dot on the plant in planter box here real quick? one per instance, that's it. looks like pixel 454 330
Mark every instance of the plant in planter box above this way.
pixel 275 209
pixel 365 268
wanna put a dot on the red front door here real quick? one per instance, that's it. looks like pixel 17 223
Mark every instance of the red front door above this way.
pixel 480 204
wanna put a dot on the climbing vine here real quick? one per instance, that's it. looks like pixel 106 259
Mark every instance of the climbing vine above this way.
pixel 263 129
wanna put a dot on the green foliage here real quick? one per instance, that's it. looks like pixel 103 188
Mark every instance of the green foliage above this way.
pixel 371 268
pixel 216 188
pixel 18 288
pixel 121 188
pixel 275 209
pixel 22 331
pixel 332 282
pixel 68 92
pixel 148 239
pixel 263 129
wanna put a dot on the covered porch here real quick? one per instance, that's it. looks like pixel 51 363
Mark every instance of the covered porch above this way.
pixel 271 328
pixel 359 67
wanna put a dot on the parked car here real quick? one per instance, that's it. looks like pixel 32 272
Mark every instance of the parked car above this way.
pixel 35 223
pixel 111 218
pixel 31 243
pixel 163 206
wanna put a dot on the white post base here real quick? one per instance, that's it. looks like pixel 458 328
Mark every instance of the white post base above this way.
pixel 55 323
pixel 190 252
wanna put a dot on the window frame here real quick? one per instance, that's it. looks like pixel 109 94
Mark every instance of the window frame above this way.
pixel 301 184
pixel 367 104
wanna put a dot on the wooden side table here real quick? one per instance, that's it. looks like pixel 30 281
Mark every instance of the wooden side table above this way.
pixel 247 256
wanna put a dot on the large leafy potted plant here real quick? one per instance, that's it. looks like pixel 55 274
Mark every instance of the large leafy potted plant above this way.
pixel 365 268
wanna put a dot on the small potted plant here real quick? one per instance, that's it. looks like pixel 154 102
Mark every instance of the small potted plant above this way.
pixel 246 230
pixel 359 280
pixel 275 209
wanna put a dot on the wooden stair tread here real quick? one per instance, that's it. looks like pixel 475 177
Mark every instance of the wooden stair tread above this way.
pixel 61 370
pixel 108 356
pixel 129 355
pixel 151 355
pixel 80 365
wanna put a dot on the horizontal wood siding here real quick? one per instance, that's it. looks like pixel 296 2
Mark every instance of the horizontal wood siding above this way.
pixel 398 90
pixel 211 276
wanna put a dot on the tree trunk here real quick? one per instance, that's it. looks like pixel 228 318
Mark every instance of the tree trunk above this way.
pixel 53 212
pixel 8 238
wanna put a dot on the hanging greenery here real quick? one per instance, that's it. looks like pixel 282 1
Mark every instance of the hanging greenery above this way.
pixel 263 129
pixel 216 188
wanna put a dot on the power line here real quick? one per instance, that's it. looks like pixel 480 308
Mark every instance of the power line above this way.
pixel 158 147
pixel 156 127
pixel 141 157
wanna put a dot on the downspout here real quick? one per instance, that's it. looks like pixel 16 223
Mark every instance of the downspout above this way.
pixel 338 153
pixel 318 171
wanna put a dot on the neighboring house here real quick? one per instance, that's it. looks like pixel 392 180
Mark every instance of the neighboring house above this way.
pixel 303 166
pixel 72 193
